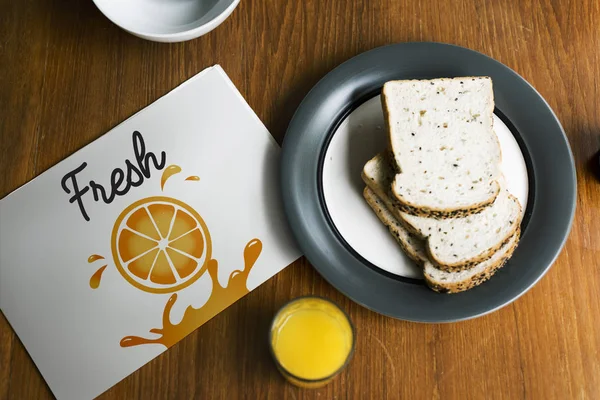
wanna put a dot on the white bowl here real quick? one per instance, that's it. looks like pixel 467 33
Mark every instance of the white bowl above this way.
pixel 167 20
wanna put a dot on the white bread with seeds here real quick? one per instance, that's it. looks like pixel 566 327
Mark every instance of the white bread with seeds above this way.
pixel 454 282
pixel 453 244
pixel 437 279
pixel 442 139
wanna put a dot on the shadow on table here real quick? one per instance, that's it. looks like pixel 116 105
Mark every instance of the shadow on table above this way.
pixel 594 165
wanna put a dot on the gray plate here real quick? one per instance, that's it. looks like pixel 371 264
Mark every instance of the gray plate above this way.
pixel 552 186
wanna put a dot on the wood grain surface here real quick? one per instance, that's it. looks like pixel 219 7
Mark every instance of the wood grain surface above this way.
pixel 67 75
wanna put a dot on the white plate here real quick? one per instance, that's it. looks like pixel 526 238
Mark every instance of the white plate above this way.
pixel 358 138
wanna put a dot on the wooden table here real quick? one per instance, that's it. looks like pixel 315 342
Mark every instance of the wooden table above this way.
pixel 67 75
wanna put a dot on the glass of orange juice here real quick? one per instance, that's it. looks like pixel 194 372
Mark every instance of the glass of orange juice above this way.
pixel 311 340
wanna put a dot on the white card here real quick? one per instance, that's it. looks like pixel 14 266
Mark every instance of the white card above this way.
pixel 180 202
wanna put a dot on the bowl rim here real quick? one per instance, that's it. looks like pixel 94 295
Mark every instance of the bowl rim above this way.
pixel 182 35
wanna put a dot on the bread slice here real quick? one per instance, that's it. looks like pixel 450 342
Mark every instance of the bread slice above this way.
pixel 413 246
pixel 457 244
pixel 436 279
pixel 454 282
pixel 453 244
pixel 379 172
pixel 442 138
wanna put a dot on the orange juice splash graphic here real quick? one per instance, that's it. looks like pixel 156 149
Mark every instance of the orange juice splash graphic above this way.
pixel 95 279
pixel 95 257
pixel 220 298
pixel 192 178
pixel 167 173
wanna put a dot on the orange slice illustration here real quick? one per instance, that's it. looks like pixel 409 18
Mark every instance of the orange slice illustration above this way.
pixel 160 245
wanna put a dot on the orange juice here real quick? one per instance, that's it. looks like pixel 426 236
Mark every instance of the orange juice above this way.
pixel 312 339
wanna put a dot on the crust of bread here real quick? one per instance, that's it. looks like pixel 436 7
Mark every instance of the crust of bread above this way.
pixel 377 205
pixel 456 287
pixel 443 213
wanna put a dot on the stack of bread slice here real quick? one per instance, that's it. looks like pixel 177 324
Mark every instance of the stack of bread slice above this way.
pixel 438 187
